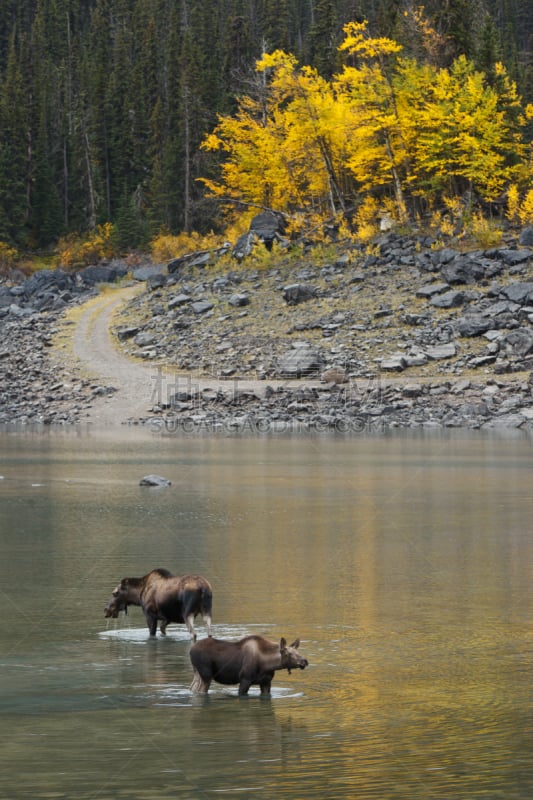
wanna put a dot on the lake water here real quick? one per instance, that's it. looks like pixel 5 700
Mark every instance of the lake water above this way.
pixel 404 564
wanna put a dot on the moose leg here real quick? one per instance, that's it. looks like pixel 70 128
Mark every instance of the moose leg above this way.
pixel 163 628
pixel 151 620
pixel 208 623
pixel 265 687
pixel 189 622
pixel 199 685
pixel 244 685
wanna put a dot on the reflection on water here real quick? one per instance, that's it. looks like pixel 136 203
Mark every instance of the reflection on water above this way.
pixel 403 564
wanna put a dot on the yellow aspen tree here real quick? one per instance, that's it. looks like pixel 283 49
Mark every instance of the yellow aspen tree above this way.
pixel 378 154
pixel 469 136
pixel 314 141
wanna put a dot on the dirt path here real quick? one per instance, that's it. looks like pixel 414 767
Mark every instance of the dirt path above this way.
pixel 87 343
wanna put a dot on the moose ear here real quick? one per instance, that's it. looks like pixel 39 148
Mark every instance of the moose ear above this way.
pixel 296 644
pixel 282 644
pixel 124 583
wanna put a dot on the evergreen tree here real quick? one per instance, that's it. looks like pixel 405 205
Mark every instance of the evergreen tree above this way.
pixel 322 48
pixel 14 138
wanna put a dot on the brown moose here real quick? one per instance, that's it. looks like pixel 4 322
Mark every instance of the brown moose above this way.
pixel 166 597
pixel 253 660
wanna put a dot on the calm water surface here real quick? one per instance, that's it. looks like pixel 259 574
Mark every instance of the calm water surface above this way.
pixel 403 564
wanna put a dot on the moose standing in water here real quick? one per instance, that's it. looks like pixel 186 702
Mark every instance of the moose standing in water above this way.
pixel 166 597
pixel 253 660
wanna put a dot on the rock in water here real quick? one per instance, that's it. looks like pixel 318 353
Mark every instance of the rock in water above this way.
pixel 154 480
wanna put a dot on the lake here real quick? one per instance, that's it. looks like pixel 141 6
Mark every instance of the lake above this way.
pixel 402 562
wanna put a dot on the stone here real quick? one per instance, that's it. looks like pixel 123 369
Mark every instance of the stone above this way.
pixel 178 300
pixel 267 226
pixel 144 339
pixel 520 292
pixel 102 273
pixel 301 360
pixel 238 300
pixel 472 325
pixel 154 480
pixel 514 257
pixel 448 299
pixel 518 342
pixel 431 289
pixel 394 363
pixel 336 375
pixel 201 306
pixel 127 333
pixel 448 350
pixel 148 271
pixel 526 237
pixel 156 281
pixel 297 293
pixel 412 390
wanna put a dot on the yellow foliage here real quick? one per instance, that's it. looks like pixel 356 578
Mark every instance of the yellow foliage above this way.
pixel 358 42
pixel 384 125
pixel 513 202
pixel 366 219
pixel 525 212
pixel 485 231
pixel 165 247
pixel 76 251
pixel 8 256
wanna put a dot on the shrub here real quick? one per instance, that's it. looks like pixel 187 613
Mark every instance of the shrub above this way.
pixel 8 257
pixel 165 246
pixel 485 231
pixel 76 251
pixel 525 212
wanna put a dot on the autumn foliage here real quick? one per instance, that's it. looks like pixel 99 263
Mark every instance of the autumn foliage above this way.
pixel 400 134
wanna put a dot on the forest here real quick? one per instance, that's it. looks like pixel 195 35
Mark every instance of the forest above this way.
pixel 153 116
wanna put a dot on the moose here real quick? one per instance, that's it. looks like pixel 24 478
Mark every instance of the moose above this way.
pixel 252 660
pixel 166 597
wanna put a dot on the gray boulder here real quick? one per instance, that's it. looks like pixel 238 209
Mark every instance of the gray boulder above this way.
pixel 301 360
pixel 268 226
pixel 148 272
pixel 201 306
pixel 178 300
pixel 48 280
pixel 467 269
pixel 239 300
pixel 431 289
pixel 123 334
pixel 448 299
pixel 448 350
pixel 154 480
pixel 514 257
pixel 520 292
pixel 519 342
pixel 144 339
pixel 297 293
pixel 526 237
pixel 102 273
pixel 473 325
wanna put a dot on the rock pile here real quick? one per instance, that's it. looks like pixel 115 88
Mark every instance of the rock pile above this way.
pixel 354 407
pixel 405 306
pixel 403 334
pixel 34 389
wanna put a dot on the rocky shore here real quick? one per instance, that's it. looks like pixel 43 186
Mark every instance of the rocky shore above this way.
pixel 406 334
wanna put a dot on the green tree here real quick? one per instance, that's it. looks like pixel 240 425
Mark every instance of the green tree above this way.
pixel 14 138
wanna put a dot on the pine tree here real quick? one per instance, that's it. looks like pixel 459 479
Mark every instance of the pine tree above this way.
pixel 14 137
pixel 322 48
